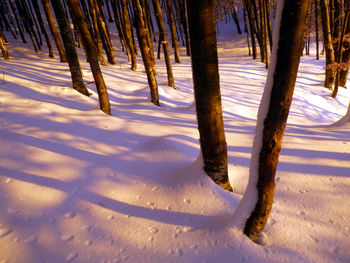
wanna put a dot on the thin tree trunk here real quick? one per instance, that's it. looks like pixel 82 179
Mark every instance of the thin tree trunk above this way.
pixel 251 27
pixel 128 35
pixel 273 112
pixel 163 39
pixel 91 53
pixel 42 27
pixel 106 41
pixel 53 29
pixel 316 30
pixel 207 90
pixel 327 45
pixel 185 26
pixel 343 74
pixel 142 37
pixel 173 31
pixel 340 53
pixel 97 33
pixel 18 22
pixel 68 41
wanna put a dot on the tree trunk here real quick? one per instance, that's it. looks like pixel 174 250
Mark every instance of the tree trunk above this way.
pixel 327 45
pixel 97 33
pixel 343 74
pixel 106 40
pixel 18 22
pixel 142 37
pixel 316 30
pixel 173 31
pixel 251 27
pixel 68 41
pixel 3 47
pixel 128 35
pixel 207 90
pixel 53 29
pixel 340 53
pixel 273 112
pixel 42 27
pixel 91 53
pixel 146 20
pixel 162 38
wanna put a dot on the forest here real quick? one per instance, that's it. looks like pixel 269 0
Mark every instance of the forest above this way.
pixel 174 131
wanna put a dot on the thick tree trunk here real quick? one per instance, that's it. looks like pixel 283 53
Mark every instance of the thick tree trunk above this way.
pixel 207 90
pixel 164 42
pixel 146 20
pixel 53 29
pixel 327 45
pixel 91 53
pixel 273 111
pixel 142 37
pixel 68 41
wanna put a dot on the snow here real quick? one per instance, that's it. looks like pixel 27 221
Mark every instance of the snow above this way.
pixel 77 185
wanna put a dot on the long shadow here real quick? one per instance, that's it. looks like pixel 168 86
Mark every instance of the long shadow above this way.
pixel 159 215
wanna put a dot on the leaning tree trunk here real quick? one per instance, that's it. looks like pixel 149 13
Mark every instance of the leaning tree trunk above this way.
pixel 42 27
pixel 327 45
pixel 207 90
pixel 91 53
pixel 72 56
pixel 273 112
pixel 53 29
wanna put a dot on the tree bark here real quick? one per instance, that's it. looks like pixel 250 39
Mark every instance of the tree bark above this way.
pixel 3 47
pixel 207 90
pixel 53 29
pixel 173 31
pixel 128 35
pixel 97 33
pixel 343 74
pixel 142 37
pixel 277 98
pixel 164 42
pixel 68 41
pixel 327 45
pixel 42 27
pixel 91 53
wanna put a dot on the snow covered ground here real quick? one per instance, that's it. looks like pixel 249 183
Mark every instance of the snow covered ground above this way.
pixel 78 185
